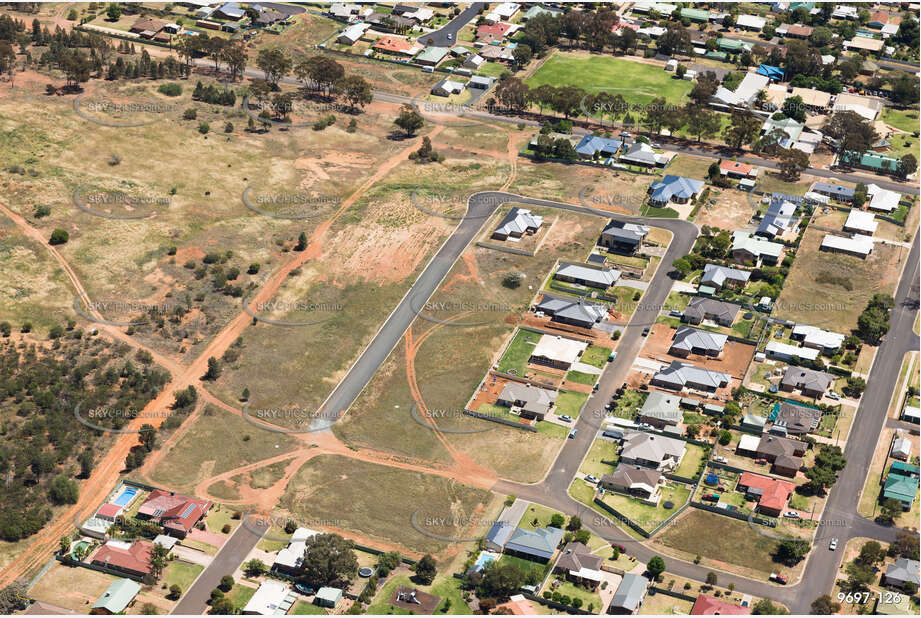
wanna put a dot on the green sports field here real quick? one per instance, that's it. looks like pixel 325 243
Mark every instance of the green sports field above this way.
pixel 637 83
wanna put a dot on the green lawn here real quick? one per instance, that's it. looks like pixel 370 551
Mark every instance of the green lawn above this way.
pixel 552 429
pixel 537 570
pixel 588 597
pixel 646 516
pixel 903 145
pixel 677 301
pixel 240 595
pixel 636 83
pixel 217 519
pixel 537 512
pixel 581 378
pixel 181 573
pixel 492 69
pixel 303 608
pixel 596 356
pixel 627 405
pixel 570 402
pixel 601 451
pixel 661 213
pixel 905 120
pixel 515 359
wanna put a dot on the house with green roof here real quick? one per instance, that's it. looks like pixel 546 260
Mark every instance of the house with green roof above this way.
pixel 733 45
pixel 698 15
pixel 432 55
pixel 870 160
pixel 117 597
pixel 902 488
pixel 716 55
pixel 537 9
pixel 905 469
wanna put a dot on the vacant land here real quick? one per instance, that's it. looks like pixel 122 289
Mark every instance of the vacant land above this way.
pixel 636 83
pixel 730 544
pixel 727 209
pixel 384 502
pixel 689 166
pixel 217 442
pixel 904 120
pixel 447 588
pixel 830 289
pixel 75 588
pixel 646 516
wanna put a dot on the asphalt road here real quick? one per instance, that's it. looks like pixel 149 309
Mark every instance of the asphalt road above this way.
pixel 440 36
pixel 195 600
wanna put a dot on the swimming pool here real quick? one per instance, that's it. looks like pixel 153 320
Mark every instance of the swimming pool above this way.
pixel 482 560
pixel 126 496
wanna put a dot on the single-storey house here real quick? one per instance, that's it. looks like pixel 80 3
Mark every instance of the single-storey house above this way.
pixel 289 559
pixel 481 82
pixel 705 605
pixel 901 484
pixel 823 340
pixel 882 200
pixel 591 146
pixel 901 448
pixel 352 34
pixel 785 454
pixel 749 249
pixel 700 309
pixel 177 514
pixel 575 312
pixel 517 223
pixel 117 598
pixel 911 414
pixel 796 419
pixel 680 375
pixel 530 401
pixel 229 10
pixel 785 352
pixel 557 351
pixel 737 169
pixel 874 161
pixel 432 55
pixel 676 189
pixel 145 24
pixel 689 340
pixel 867 107
pixel 753 422
pixel 446 87
pixel 642 154
pixel 810 382
pixel 579 565
pixel 327 596
pixel 858 245
pixel 395 45
pixel 637 481
pixel 652 450
pixel 902 572
pixel 601 278
pixel 839 193
pixel 622 236
pixel 474 61
pixel 770 494
pixel 630 594
pixel 132 559
pixel 271 598
pixel 724 276
pixel 751 22
pixel 660 409
pixel 778 219
pixel 539 544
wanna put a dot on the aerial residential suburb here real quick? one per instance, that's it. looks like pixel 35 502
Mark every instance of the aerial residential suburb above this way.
pixel 459 308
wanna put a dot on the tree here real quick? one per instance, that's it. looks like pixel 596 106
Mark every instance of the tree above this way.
pixel 522 54
pixel 873 322
pixel 675 40
pixel 575 523
pixel 764 607
pixel 226 583
pixel 793 162
pixel 274 63
pixel 500 579
pixel 113 12
pixel 907 165
pixel 711 578
pixel 426 570
pixel 859 576
pixel 871 553
pixel 59 237
pixel 409 120
pixel 301 242
pixel 824 606
pixel 890 509
pixel 851 131
pixel 234 55
pixel 725 437
pixel 701 121
pixel 801 58
pixel 819 479
pixel 255 568
pixel 793 107
pixel 356 90
pixel 513 93
pixel 906 545
pixel 214 369
pixel 222 606
pixel 656 113
pixel 64 490
pixel 792 551
pixel 329 560
pixel 904 88
pixel 855 386
pixel 743 129
pixel 704 89
pixel 655 566
pixel 147 435
pixel 557 520
pixel 159 556
pixel 321 70
pixel 14 597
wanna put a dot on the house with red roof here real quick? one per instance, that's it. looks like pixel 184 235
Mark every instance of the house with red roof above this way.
pixel 109 511
pixel 736 169
pixel 770 494
pixel 395 45
pixel 176 513
pixel 705 605
pixel 493 32
pixel 132 559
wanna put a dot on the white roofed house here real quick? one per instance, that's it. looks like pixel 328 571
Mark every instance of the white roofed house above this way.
pixel 751 22
pixel 861 222
pixel 447 87
pixel 778 220
pixel 882 200
pixel 689 340
pixel 272 598
pixel 557 351
pixel 748 249
pixel 601 278
pixel 813 337
pixel 858 246
pixel 723 276
pixel 289 558
pixel 352 34
pixel 786 352
pixel 745 93
pixel 517 223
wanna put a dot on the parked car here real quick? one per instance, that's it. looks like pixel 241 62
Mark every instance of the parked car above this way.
pixel 777 577
pixel 565 417
pixel 591 478
pixel 834 396
pixel 720 459
pixel 572 434
pixel 612 356
pixel 646 331
pixel 450 37
pixel 791 515
pixel 675 313
pixel 834 544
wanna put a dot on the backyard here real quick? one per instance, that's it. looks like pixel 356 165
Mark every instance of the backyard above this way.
pixel 646 516
pixel 515 359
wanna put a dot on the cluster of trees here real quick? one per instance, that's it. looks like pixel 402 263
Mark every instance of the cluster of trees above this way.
pixel 43 450
pixel 829 460
pixel 873 322
pixel 329 560
pixel 213 94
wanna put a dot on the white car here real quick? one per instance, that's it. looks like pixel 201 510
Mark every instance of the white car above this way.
pixel 591 478
pixel 834 396
pixel 791 515
pixel 833 545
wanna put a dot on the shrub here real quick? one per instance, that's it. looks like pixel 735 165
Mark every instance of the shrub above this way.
pixel 41 211
pixel 59 237
pixel 190 114
pixel 203 127
pixel 225 528
pixel 171 89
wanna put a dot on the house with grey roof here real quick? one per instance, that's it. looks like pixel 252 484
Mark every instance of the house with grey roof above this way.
pixel 517 223
pixel 810 382
pixel 749 249
pixel 622 236
pixel 446 87
pixel 640 482
pixel 630 594
pixel 700 309
pixel 578 564
pixel 689 340
pixel 835 192
pixel 901 448
pixel 723 276
pixel 785 454
pixel 778 219
pixel 539 544
pixel 643 155
pixel 652 450
pixel 661 409
pixel 590 276
pixel 676 189
pixel 574 312
pixel 796 420
pixel 903 571
pixel 498 536
pixel 528 400
pixel 482 82
pixel 679 375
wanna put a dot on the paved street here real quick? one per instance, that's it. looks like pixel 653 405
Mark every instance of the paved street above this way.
pixel 234 551
pixel 447 35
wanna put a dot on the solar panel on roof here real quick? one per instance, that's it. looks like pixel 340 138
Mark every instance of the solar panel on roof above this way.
pixel 188 511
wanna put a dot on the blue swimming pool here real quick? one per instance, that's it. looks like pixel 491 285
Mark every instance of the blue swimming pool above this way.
pixel 482 560
pixel 125 496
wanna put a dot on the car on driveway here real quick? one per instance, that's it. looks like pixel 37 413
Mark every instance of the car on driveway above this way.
pixel 791 515
pixel 591 478
pixel 833 545
pixel 566 418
